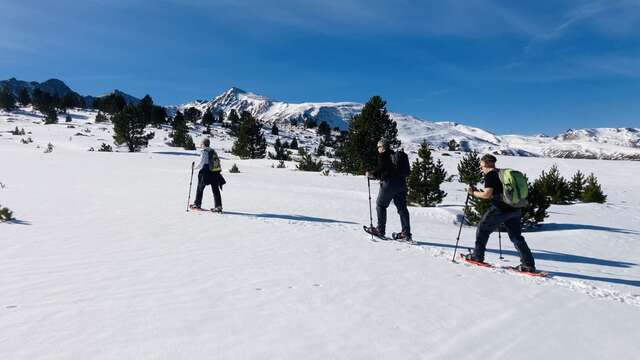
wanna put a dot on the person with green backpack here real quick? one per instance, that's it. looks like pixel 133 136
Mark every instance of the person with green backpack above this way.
pixel 209 173
pixel 507 189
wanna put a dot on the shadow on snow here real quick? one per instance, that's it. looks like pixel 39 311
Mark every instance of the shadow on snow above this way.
pixel 289 217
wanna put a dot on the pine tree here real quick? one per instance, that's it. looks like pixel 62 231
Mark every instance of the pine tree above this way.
pixel 294 144
pixel 425 179
pixel 158 116
pixel 469 169
pixel 111 104
pixel 207 118
pixel 180 131
pixel 5 214
pixel 101 117
pixel 307 163
pixel 145 106
pixel 23 97
pixel 192 115
pixel 470 173
pixel 357 152
pixel 234 122
pixel 324 129
pixel 129 128
pixel 251 143
pixel 555 186
pixel 51 116
pixel 453 145
pixel 536 211
pixel 592 191
pixel 281 152
pixel 321 150
pixel 576 186
pixel 274 129
pixel 7 100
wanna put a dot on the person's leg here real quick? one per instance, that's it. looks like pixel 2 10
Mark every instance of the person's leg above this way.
pixel 400 201
pixel 513 224
pixel 201 185
pixel 488 224
pixel 217 199
pixel 382 203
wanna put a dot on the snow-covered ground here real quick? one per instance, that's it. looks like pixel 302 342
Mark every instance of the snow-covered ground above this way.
pixel 103 262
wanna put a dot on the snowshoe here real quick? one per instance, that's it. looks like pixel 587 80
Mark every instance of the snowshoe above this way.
pixel 471 260
pixel 527 270
pixel 375 232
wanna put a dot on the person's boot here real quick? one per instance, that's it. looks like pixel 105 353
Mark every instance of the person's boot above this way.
pixel 195 207
pixel 375 231
pixel 525 268
pixel 401 236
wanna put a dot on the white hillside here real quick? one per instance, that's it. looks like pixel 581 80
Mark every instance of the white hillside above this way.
pixel 103 262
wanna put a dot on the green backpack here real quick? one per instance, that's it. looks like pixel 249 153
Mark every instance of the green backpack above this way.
pixel 514 188
pixel 214 161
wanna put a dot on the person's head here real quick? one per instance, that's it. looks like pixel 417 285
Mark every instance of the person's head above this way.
pixel 487 163
pixel 206 142
pixel 382 146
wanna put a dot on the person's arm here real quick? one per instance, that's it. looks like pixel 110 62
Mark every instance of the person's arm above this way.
pixel 378 171
pixel 487 193
pixel 203 160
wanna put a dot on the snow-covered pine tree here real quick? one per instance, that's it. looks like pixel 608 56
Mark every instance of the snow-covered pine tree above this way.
pixel 592 191
pixel 274 129
pixel 425 179
pixel 576 186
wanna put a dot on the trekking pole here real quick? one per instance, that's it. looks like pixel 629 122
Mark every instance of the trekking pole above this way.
pixel 370 212
pixel 193 163
pixel 500 243
pixel 460 230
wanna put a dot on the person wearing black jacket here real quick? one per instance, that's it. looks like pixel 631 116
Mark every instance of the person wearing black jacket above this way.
pixel 393 186
pixel 499 213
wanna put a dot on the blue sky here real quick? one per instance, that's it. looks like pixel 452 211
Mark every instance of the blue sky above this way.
pixel 506 66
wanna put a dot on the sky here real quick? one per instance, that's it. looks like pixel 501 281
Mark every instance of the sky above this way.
pixel 523 67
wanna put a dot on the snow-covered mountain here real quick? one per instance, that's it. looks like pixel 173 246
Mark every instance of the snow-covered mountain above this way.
pixel 602 143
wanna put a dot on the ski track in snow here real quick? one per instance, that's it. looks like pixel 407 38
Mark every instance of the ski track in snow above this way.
pixel 575 285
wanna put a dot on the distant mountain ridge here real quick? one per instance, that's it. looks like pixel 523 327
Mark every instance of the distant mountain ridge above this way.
pixel 591 143
pixel 595 143
pixel 58 88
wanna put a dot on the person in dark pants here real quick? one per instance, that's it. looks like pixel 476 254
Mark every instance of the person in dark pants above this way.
pixel 209 173
pixel 499 213
pixel 393 186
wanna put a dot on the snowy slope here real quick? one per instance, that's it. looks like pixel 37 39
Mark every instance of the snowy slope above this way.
pixel 104 263
pixel 616 144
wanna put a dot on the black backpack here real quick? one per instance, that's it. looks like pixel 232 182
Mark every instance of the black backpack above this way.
pixel 400 162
